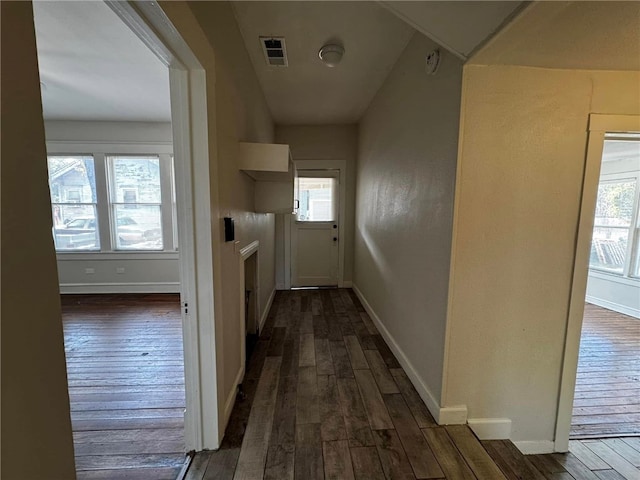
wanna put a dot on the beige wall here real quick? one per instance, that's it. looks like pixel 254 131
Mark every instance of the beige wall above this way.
pixel 36 425
pixel 405 182
pixel 326 142
pixel 237 112
pixel 594 35
pixel 523 142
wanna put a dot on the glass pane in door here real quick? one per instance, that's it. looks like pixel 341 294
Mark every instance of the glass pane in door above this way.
pixel 317 199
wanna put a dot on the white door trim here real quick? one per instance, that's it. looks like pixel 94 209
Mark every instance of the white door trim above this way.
pixel 196 199
pixel 341 166
pixel 598 126
pixel 286 225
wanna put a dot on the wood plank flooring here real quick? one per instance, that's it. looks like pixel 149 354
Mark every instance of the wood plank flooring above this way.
pixel 607 398
pixel 326 399
pixel 606 459
pixel 126 385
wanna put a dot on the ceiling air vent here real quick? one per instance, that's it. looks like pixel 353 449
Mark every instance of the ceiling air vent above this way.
pixel 275 51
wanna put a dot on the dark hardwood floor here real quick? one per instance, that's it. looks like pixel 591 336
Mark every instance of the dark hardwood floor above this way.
pixel 126 385
pixel 607 398
pixel 326 399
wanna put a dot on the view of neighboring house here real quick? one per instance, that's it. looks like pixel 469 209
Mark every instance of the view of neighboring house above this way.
pixel 134 190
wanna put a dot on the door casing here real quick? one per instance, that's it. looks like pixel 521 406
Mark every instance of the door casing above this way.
pixel 197 201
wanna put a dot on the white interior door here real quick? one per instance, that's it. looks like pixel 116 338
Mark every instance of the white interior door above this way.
pixel 315 236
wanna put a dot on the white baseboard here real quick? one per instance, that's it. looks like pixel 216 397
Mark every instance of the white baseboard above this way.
pixel 444 416
pixel 456 415
pixel 536 447
pixel 139 287
pixel 616 307
pixel 231 398
pixel 491 428
pixel 265 312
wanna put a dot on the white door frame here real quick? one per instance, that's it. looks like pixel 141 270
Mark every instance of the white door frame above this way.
pixel 196 199
pixel 341 166
pixel 598 126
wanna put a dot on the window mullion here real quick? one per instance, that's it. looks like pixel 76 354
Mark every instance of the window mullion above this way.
pixel 102 193
pixel 632 251
pixel 166 210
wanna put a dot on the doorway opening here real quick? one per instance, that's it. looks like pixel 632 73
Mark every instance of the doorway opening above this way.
pixel 107 111
pixel 600 382
pixel 607 393
pixel 315 230
pixel 133 177
pixel 251 302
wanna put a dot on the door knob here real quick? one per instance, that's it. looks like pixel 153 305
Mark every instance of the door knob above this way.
pixel 335 239
pixel 335 226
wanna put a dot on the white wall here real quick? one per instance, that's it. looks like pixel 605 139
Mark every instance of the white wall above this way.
pixel 614 293
pixel 608 290
pixel 148 272
pixel 35 401
pixel 404 207
pixel 108 132
pixel 518 193
pixel 325 142
pixel 103 273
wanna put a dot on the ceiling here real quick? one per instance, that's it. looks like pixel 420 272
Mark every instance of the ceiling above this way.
pixel 458 26
pixel 308 92
pixel 93 67
pixel 570 35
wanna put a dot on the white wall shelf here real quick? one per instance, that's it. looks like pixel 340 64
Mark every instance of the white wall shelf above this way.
pixel 272 167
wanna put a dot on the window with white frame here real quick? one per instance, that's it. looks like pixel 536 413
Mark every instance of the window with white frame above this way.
pixel 135 200
pixel 174 204
pixel 615 244
pixel 127 201
pixel 72 184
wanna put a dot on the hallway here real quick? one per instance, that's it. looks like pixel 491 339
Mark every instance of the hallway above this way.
pixel 326 398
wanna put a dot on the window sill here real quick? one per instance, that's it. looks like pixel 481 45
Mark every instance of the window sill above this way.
pixel 120 255
pixel 613 277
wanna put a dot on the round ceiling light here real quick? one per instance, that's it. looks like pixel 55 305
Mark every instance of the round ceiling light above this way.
pixel 331 54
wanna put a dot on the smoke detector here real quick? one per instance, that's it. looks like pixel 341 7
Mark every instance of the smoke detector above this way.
pixel 275 51
pixel 331 54
pixel 432 62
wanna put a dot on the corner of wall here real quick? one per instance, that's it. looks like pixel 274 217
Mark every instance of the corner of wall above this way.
pixel 491 428
pixel 267 307
pixel 444 416
pixel 539 447
pixel 456 415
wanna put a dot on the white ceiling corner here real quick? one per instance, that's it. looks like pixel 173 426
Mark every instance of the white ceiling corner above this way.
pixel 308 92
pixel 570 35
pixel 458 26
pixel 93 67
